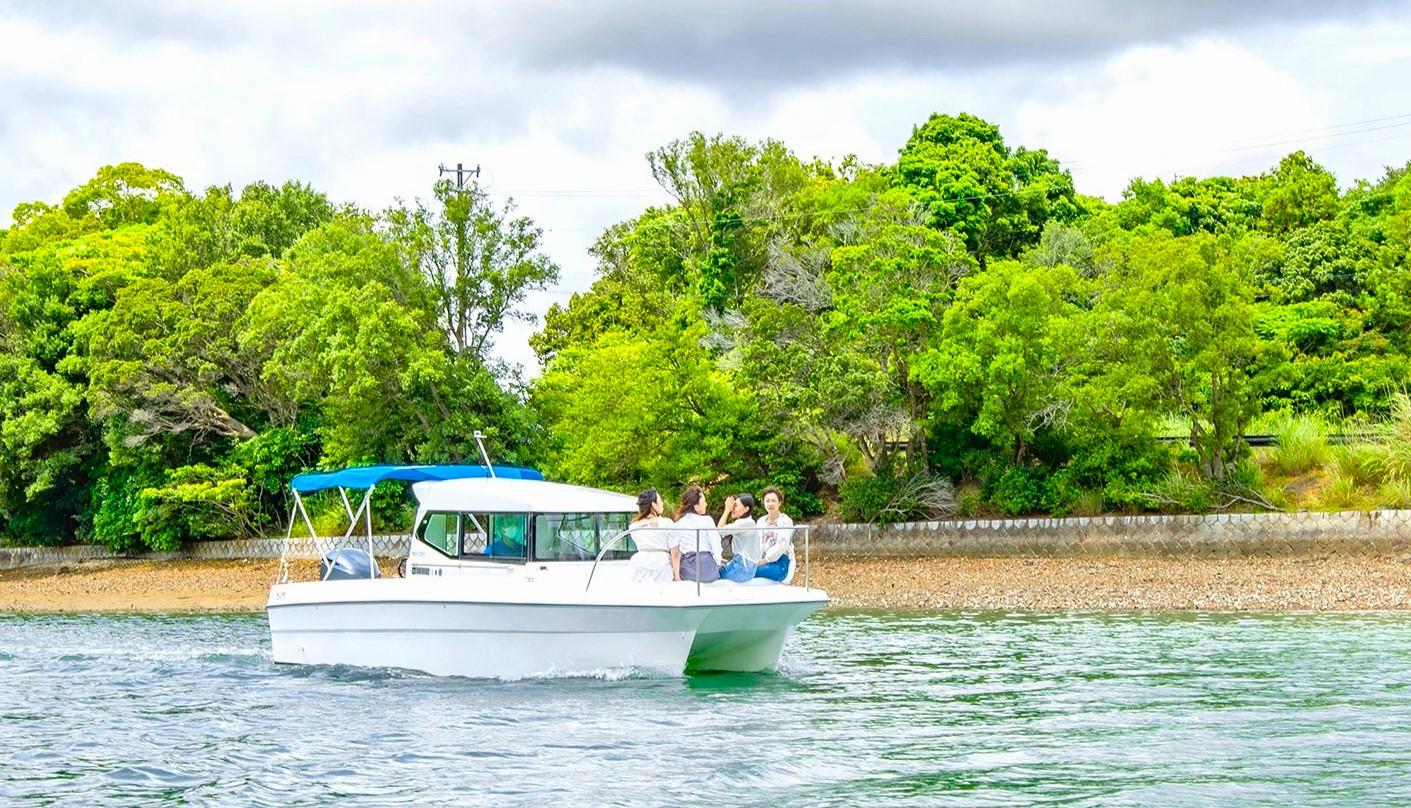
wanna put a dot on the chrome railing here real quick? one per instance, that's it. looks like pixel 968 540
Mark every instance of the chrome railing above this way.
pixel 617 538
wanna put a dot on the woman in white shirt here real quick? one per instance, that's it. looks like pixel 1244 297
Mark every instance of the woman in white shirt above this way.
pixel 739 513
pixel 695 528
pixel 651 532
pixel 777 539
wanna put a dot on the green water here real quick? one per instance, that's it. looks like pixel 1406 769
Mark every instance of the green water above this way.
pixel 869 709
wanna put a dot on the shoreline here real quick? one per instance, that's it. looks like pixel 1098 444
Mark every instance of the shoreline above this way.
pixel 1294 584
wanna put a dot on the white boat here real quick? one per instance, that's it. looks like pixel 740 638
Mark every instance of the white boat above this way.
pixel 510 576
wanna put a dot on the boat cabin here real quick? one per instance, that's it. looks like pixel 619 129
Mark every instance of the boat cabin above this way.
pixel 517 521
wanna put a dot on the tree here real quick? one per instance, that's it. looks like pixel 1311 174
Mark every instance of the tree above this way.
pixel 1297 194
pixel 1186 307
pixel 733 197
pixel 479 262
pixel 126 193
pixel 167 359
pixel 969 182
pixel 49 449
pixel 1005 353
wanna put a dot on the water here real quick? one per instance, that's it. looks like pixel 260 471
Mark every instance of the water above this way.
pixel 871 709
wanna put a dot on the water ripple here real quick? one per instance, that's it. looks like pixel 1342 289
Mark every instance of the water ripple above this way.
pixel 869 708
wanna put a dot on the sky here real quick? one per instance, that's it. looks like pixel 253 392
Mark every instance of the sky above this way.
pixel 558 102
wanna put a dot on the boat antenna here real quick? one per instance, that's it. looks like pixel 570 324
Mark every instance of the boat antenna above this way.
pixel 480 441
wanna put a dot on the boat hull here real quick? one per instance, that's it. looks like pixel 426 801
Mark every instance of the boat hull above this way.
pixel 365 624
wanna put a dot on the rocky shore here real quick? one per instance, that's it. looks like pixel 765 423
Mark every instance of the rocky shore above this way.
pixel 1258 584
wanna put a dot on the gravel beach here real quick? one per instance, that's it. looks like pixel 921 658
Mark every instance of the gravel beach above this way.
pixel 1256 584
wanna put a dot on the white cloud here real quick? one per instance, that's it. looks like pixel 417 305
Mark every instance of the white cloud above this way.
pixel 365 101
pixel 1163 112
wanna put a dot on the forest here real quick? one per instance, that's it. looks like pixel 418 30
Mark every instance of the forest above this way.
pixel 955 332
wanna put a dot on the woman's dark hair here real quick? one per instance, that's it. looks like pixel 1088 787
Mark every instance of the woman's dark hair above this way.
pixel 689 498
pixel 776 492
pixel 645 501
pixel 748 501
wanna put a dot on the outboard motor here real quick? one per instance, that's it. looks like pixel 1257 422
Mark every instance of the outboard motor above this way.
pixel 345 564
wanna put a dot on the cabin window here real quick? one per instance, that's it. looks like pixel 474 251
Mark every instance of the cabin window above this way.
pixel 579 536
pixel 508 532
pixel 442 531
pixel 496 536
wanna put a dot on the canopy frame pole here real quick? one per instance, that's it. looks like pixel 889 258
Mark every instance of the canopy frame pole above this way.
pixel 367 516
pixel 347 508
pixel 284 548
pixel 348 534
pixel 304 512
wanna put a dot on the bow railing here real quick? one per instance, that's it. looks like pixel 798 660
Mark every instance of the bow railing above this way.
pixel 732 532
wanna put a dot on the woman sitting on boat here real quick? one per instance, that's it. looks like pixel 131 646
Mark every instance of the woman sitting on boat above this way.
pixel 651 532
pixel 777 540
pixel 739 513
pixel 695 528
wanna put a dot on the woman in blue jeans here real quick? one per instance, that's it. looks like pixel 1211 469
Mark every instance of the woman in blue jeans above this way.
pixel 776 539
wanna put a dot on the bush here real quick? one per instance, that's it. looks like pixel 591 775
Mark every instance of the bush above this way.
pixel 1019 490
pixel 116 501
pixel 889 497
pixel 1181 492
pixel 194 503
pixel 969 501
pixel 1301 445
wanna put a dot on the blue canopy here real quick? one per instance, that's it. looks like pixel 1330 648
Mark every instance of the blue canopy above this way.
pixel 368 476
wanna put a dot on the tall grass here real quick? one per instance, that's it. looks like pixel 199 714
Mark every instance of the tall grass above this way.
pixel 1341 494
pixel 1301 445
pixel 1397 439
pixel 1362 463
pixel 1395 493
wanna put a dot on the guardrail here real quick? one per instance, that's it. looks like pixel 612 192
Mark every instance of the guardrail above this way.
pixel 611 543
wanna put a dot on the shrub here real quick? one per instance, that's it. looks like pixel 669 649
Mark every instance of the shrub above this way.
pixel 889 497
pixel 1018 490
pixel 969 501
pixel 1301 445
pixel 114 506
pixel 1088 503
pixel 193 503
pixel 1180 492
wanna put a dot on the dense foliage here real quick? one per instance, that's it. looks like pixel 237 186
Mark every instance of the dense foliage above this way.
pixel 959 330
pixel 172 358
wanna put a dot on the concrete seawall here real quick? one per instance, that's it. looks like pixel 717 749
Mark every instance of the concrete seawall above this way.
pixel 1236 535
pixel 388 546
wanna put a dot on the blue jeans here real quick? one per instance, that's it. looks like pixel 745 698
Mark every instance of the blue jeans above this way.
pixel 774 570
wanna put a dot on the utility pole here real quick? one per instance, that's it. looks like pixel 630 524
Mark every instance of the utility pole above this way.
pixel 461 173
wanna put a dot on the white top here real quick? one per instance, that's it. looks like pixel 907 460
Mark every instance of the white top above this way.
pixel 684 536
pixel 652 533
pixel 502 495
pixel 744 542
pixel 778 541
